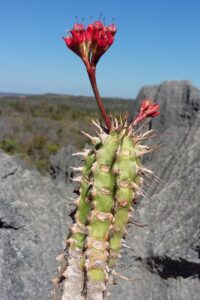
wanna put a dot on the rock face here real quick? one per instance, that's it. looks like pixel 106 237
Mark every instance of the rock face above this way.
pixel 33 222
pixel 61 163
pixel 163 260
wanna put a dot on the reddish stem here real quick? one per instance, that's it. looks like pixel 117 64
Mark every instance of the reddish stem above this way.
pixel 92 76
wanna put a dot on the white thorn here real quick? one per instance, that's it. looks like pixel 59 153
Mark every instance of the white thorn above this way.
pixel 84 153
pixel 80 169
pixel 123 277
pixel 141 126
pixel 78 153
pixel 140 192
pixel 94 166
pixel 133 222
pixel 145 170
pixel 97 124
pixel 116 123
pixel 60 257
pixel 77 179
pixel 145 149
pixel 124 245
pixel 77 200
pixel 93 139
pixel 71 201
pixel 102 136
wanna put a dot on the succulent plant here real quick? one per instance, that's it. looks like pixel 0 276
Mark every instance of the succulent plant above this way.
pixel 111 180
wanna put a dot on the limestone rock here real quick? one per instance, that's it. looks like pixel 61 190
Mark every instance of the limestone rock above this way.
pixel 61 163
pixel 33 225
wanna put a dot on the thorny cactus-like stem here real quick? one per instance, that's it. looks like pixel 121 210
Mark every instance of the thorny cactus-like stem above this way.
pixel 116 179
pixel 111 180
pixel 129 181
pixel 101 217
pixel 79 230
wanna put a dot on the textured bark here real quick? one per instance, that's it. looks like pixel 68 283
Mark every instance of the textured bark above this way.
pixel 95 291
pixel 72 275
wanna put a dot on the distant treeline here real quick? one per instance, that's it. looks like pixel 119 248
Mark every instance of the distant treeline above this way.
pixel 35 127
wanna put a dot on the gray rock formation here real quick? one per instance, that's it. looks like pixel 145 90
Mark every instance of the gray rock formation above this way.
pixel 163 260
pixel 33 222
pixel 61 163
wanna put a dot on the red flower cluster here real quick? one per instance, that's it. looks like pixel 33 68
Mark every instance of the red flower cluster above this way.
pixel 92 42
pixel 147 109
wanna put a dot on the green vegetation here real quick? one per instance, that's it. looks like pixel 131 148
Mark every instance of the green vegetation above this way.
pixel 10 146
pixel 35 127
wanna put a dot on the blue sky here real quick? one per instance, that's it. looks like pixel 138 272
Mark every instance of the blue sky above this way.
pixel 157 40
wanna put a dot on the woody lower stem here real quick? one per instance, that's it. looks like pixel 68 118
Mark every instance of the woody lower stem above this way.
pixel 92 76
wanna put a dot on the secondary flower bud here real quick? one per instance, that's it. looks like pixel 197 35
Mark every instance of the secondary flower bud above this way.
pixel 148 109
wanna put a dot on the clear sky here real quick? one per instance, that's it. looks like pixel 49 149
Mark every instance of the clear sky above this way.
pixel 157 40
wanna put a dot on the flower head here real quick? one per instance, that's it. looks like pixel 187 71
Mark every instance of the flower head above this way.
pixel 147 109
pixel 92 42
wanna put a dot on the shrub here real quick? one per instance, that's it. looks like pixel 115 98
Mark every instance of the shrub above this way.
pixel 10 145
pixel 53 148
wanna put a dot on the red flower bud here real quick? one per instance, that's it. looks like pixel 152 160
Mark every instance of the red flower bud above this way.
pixel 148 109
pixel 78 28
pixel 98 25
pixel 112 28
pixel 90 43
pixel 76 39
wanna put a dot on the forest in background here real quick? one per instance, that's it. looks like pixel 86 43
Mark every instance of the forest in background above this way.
pixel 37 126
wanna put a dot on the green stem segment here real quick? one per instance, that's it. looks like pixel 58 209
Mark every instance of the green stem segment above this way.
pixel 126 169
pixel 84 207
pixel 101 217
pixel 111 178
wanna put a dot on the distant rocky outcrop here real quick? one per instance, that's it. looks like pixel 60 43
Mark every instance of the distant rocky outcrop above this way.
pixel 163 260
pixel 62 162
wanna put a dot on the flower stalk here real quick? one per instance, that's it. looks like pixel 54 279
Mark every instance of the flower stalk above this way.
pixel 92 76
pixel 90 44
